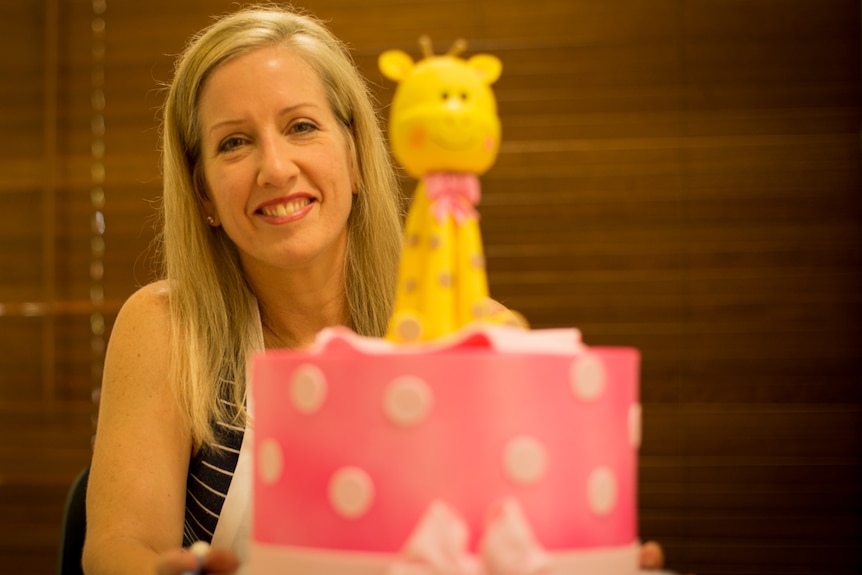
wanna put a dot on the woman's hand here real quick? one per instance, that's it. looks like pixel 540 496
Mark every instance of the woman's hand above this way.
pixel 652 556
pixel 210 561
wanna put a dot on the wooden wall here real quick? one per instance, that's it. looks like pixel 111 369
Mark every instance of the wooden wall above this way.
pixel 682 176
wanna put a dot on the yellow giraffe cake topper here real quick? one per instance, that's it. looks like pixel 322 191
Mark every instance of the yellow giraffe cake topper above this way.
pixel 444 130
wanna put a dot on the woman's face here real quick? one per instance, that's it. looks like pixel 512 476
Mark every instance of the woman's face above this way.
pixel 276 162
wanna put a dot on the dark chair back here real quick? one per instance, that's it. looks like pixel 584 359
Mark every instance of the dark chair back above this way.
pixel 74 527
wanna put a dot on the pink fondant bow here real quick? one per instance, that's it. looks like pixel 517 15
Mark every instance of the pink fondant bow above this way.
pixel 453 194
pixel 438 545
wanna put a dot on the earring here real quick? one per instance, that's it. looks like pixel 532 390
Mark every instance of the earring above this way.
pixel 211 220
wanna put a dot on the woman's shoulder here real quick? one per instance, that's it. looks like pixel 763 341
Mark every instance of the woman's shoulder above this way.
pixel 150 298
pixel 139 345
pixel 146 311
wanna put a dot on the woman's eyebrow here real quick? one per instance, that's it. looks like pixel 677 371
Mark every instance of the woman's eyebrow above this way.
pixel 287 110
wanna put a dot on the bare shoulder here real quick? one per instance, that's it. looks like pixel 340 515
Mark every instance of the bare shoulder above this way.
pixel 150 300
pixel 139 344
pixel 137 377
pixel 146 313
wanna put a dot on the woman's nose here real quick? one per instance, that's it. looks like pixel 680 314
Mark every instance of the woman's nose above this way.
pixel 277 166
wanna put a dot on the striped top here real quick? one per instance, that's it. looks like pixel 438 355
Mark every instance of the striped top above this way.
pixel 210 473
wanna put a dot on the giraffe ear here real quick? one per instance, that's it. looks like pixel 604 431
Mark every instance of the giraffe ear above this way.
pixel 395 64
pixel 487 67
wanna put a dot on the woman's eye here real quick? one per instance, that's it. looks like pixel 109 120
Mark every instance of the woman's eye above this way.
pixel 303 127
pixel 230 144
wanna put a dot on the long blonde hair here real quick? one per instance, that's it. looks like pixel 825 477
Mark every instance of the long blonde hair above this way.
pixel 215 315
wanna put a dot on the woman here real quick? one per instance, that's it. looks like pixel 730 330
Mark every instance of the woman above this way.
pixel 280 217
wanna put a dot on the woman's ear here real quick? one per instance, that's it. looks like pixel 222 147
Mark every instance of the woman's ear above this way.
pixel 209 211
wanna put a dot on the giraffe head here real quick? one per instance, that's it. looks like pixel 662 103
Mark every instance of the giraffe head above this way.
pixel 444 115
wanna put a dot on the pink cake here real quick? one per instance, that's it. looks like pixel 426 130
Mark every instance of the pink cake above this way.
pixel 495 450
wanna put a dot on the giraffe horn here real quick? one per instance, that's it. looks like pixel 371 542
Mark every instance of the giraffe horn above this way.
pixel 425 44
pixel 458 47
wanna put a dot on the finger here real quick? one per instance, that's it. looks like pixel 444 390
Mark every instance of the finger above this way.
pixel 220 561
pixel 200 549
pixel 651 556
pixel 176 562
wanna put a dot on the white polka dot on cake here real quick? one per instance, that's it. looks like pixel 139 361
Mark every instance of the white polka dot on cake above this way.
pixel 269 461
pixel 308 388
pixel 351 492
pixel 602 490
pixel 407 401
pixel 587 377
pixel 635 425
pixel 525 460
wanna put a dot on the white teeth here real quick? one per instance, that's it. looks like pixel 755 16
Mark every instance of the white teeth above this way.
pixel 285 209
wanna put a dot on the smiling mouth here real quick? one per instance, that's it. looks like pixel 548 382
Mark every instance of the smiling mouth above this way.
pixel 454 140
pixel 285 209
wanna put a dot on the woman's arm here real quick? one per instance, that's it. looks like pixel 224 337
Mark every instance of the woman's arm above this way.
pixel 137 485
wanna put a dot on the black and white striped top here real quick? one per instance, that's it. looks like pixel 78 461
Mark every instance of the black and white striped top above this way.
pixel 210 474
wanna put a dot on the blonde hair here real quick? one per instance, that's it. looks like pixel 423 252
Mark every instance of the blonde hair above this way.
pixel 215 315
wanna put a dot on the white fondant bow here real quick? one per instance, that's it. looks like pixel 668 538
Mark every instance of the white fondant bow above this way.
pixel 438 545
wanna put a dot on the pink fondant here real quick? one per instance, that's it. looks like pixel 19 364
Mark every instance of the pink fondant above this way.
pixel 266 559
pixel 485 394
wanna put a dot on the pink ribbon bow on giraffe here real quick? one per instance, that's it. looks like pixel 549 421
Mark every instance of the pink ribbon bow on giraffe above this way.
pixel 453 194
pixel 438 545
